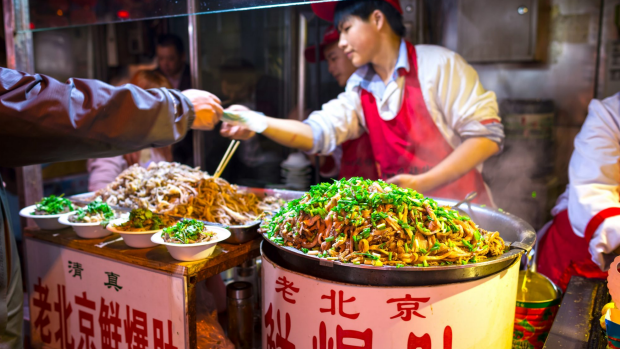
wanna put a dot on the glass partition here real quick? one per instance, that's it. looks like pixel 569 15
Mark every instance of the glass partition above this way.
pixel 48 14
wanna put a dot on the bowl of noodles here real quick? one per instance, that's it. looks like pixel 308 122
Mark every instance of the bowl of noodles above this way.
pixel 141 225
pixel 46 212
pixel 190 240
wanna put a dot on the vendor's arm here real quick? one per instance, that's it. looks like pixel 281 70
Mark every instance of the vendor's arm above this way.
pixel 594 174
pixel 465 157
pixel 467 116
pixel 325 129
pixel 45 120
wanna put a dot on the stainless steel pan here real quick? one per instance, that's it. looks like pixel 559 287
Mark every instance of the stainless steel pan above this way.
pixel 519 236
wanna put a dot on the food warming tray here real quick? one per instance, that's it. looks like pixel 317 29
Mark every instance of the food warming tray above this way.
pixel 239 233
pixel 518 235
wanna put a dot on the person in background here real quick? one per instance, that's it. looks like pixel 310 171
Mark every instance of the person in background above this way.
pixel 584 236
pixel 171 61
pixel 430 122
pixel 257 161
pixel 44 120
pixel 352 158
pixel 104 170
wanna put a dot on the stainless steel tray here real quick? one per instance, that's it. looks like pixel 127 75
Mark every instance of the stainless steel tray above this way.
pixel 239 233
pixel 518 234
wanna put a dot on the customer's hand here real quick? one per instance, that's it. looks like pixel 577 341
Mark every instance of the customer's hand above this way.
pixel 208 109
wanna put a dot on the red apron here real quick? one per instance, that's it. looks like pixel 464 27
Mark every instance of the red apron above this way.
pixel 357 159
pixel 411 142
pixel 562 254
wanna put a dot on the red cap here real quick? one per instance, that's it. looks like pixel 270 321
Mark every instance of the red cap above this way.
pixel 325 10
pixel 331 36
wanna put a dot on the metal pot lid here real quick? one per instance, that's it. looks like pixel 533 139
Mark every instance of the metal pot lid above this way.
pixel 518 235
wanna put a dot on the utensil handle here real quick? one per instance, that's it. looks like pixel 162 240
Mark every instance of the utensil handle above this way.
pixel 232 147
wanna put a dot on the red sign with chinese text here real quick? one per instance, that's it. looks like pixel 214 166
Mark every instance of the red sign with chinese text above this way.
pixel 79 301
pixel 304 312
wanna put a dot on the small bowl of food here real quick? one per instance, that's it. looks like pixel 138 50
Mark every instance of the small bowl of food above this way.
pixel 90 222
pixel 142 224
pixel 190 240
pixel 46 212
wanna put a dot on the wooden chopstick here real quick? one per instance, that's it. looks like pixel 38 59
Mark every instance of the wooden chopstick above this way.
pixel 227 156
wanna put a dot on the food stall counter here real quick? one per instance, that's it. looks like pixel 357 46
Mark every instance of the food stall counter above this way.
pixel 136 295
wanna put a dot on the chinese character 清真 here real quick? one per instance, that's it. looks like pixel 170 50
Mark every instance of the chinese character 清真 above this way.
pixel 76 269
pixel 113 281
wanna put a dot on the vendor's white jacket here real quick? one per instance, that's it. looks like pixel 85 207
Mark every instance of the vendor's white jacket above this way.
pixel 454 96
pixel 594 178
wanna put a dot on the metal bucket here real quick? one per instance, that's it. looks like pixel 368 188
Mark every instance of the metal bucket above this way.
pixel 538 300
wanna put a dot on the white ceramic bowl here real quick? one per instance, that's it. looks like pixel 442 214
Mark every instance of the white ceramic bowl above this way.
pixel 44 222
pixel 193 252
pixel 85 230
pixel 135 239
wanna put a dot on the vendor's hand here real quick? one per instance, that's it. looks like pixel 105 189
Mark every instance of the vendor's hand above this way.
pixel 239 115
pixel 237 108
pixel 236 132
pixel 207 107
pixel 416 182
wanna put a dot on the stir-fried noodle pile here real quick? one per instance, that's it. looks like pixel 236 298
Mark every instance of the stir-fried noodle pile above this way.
pixel 370 222
pixel 176 189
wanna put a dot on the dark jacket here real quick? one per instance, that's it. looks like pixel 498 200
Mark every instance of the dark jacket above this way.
pixel 45 120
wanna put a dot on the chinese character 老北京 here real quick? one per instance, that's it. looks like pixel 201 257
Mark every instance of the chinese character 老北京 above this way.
pixel 341 301
pixel 42 320
pixel 408 306
pixel 287 287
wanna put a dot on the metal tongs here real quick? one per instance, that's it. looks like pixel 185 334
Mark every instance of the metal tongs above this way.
pixel 468 198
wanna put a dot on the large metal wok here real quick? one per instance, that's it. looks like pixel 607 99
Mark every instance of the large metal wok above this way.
pixel 518 234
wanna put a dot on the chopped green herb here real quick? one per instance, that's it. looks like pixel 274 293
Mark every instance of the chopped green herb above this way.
pixel 468 244
pixel 187 231
pixel 53 205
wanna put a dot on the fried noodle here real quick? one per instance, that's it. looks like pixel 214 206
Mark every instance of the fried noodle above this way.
pixel 175 189
pixel 371 222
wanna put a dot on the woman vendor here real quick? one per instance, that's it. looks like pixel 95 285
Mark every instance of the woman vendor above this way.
pixel 430 122
pixel 584 236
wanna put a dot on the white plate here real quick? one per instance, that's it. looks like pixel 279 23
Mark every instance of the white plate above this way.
pixel 135 239
pixel 193 252
pixel 85 230
pixel 44 222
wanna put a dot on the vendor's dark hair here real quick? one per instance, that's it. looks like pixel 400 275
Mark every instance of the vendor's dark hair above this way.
pixel 168 40
pixel 364 8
